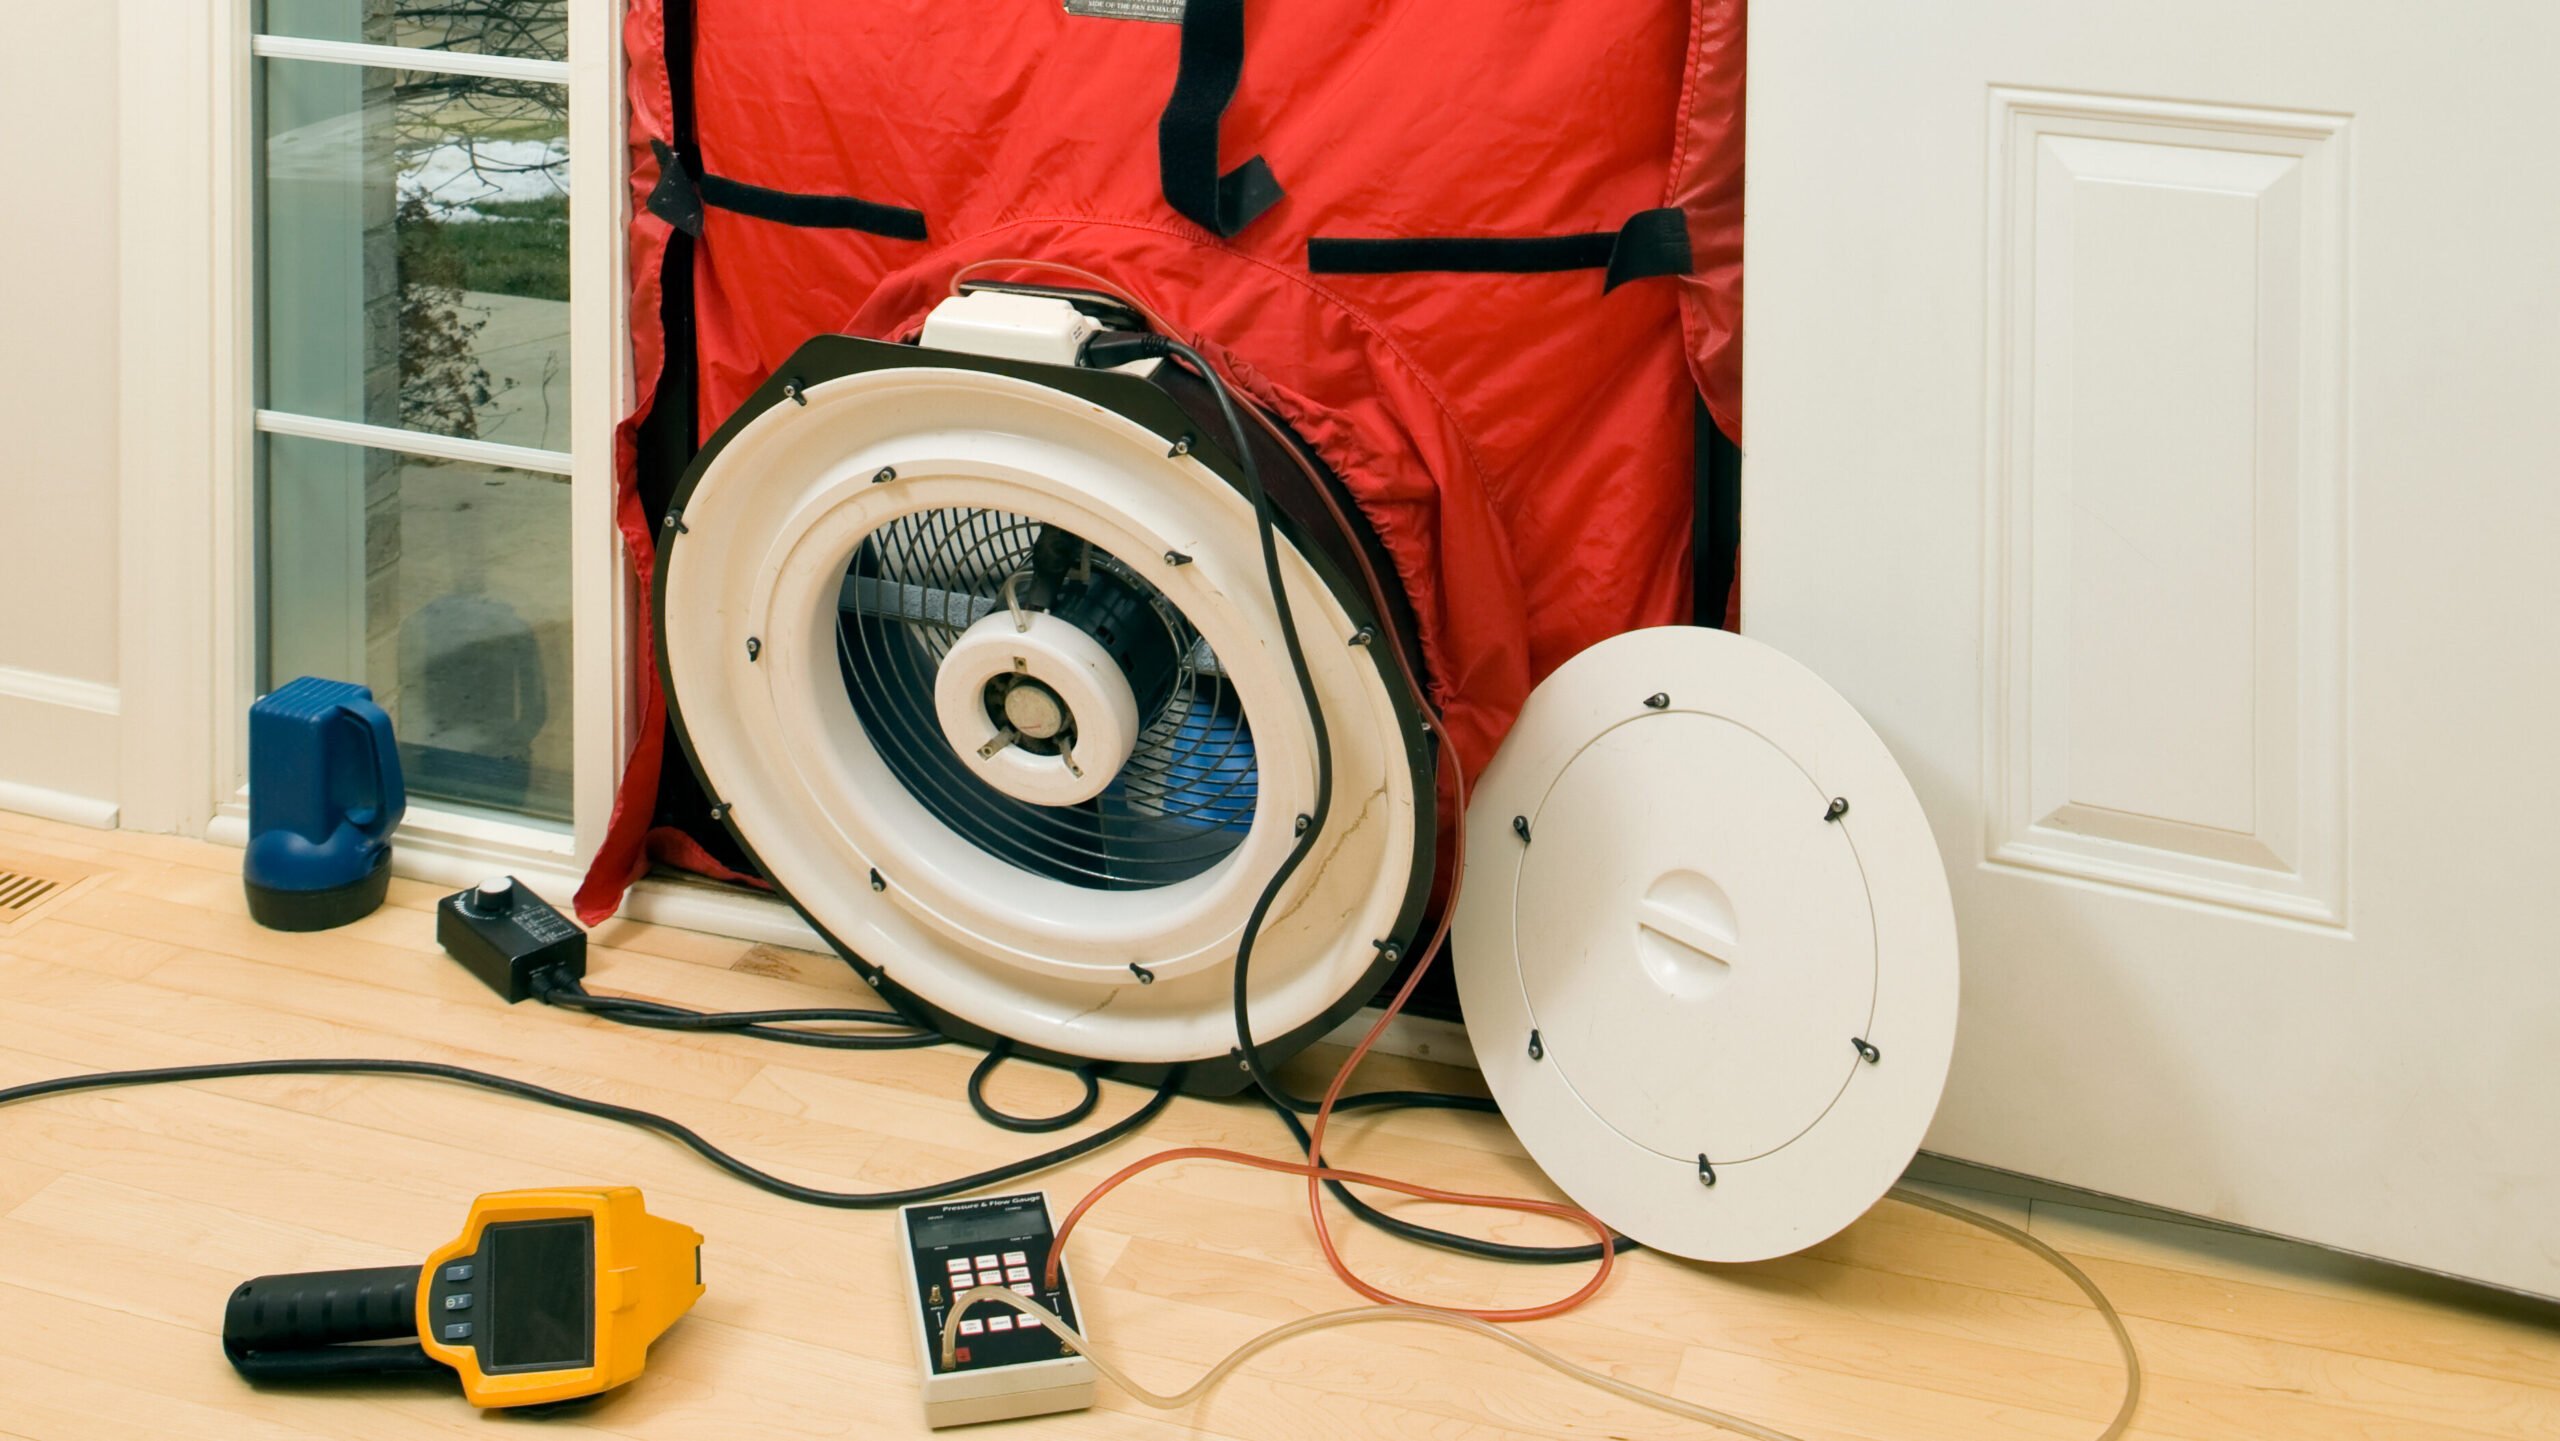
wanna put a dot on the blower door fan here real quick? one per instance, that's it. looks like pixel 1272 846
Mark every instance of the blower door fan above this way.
pixel 981 663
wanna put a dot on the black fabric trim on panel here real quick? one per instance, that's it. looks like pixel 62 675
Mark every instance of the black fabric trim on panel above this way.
pixel 1651 243
pixel 1187 137
pixel 1716 535
pixel 669 434
pixel 681 196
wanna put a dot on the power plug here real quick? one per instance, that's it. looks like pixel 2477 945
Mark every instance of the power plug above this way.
pixel 508 936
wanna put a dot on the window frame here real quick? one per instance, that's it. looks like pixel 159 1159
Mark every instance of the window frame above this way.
pixel 188 472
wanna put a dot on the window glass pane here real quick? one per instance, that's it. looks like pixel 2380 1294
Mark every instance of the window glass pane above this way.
pixel 414 238
pixel 528 29
pixel 441 585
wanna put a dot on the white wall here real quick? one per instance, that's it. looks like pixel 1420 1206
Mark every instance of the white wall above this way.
pixel 58 415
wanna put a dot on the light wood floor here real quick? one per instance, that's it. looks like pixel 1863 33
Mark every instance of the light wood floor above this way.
pixel 125 1219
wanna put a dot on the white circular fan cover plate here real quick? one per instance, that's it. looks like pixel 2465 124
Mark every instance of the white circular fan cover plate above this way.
pixel 1699 951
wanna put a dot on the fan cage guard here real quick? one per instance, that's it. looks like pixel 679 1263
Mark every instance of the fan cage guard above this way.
pixel 1181 802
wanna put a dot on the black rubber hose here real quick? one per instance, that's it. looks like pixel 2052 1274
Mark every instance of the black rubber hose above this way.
pixel 997 1055
pixel 567 993
pixel 673 1130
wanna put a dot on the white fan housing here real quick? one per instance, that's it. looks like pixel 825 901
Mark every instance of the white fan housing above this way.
pixel 857 441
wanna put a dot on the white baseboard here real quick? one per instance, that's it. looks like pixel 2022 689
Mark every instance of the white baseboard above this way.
pixel 97 811
pixel 720 911
pixel 68 692
pixel 62 729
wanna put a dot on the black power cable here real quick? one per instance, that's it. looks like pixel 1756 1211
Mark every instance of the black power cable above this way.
pixel 1117 348
pixel 997 1055
pixel 674 1130
pixel 564 991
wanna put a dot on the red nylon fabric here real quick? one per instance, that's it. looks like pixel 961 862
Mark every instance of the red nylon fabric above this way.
pixel 623 856
pixel 1522 443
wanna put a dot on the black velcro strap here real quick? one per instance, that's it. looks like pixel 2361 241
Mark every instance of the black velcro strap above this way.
pixel 680 197
pixel 1654 242
pixel 675 199
pixel 1477 256
pixel 1187 136
pixel 1651 243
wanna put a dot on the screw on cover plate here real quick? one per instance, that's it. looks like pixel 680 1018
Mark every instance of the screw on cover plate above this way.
pixel 1537 1045
pixel 791 391
pixel 1175 557
pixel 675 522
pixel 1145 977
pixel 1389 950
pixel 1520 828
pixel 1300 828
pixel 1659 700
pixel 1181 447
pixel 1706 1173
pixel 879 882
pixel 1364 635
pixel 884 473
pixel 1867 1051
pixel 720 811
pixel 1839 807
pixel 755 648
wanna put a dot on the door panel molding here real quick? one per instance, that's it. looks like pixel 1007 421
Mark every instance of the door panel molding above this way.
pixel 2165 567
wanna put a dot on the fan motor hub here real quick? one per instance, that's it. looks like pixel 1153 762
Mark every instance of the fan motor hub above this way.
pixel 1051 683
pixel 1031 708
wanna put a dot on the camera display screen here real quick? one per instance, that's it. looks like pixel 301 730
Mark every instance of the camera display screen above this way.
pixel 541 1294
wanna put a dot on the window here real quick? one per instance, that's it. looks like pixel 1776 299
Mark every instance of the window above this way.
pixel 413 521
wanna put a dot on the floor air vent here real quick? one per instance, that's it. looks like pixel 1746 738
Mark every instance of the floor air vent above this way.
pixel 20 892
pixel 32 886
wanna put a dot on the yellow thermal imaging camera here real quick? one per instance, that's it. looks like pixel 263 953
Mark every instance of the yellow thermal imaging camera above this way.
pixel 546 1296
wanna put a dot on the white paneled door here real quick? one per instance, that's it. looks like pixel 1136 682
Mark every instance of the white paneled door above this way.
pixel 2152 422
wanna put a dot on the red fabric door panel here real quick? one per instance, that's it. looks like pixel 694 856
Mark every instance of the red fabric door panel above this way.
pixel 1522 442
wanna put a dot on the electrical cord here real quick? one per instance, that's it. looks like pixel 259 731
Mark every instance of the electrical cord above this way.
pixel 1431 1235
pixel 570 994
pixel 673 1130
pixel 567 993
pixel 997 1055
